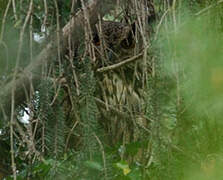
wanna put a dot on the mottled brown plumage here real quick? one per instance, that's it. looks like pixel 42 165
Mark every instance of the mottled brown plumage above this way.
pixel 115 32
pixel 118 39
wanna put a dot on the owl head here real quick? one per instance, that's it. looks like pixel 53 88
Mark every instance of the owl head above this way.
pixel 116 38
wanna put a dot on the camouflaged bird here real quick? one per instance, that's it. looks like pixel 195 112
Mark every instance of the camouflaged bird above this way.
pixel 118 39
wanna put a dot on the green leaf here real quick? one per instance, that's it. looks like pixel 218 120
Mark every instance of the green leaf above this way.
pixel 123 166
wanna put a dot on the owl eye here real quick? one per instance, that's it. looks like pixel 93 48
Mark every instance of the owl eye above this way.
pixel 125 44
pixel 128 42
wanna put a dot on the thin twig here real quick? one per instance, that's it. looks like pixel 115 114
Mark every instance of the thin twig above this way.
pixel 69 135
pixel 22 34
pixel 13 165
pixel 118 65
pixel 103 155
pixel 175 64
pixel 4 18
pixel 160 23
pixel 14 10
pixel 112 108
pixel 45 14
pixel 7 55
pixel 31 38
pixel 207 8
pixel 58 37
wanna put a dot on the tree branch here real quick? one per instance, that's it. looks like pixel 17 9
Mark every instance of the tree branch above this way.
pixel 73 29
pixel 118 65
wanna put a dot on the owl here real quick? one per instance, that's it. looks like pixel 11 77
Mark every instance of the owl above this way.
pixel 116 39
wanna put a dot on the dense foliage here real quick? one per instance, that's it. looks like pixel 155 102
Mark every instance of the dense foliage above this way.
pixel 157 117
